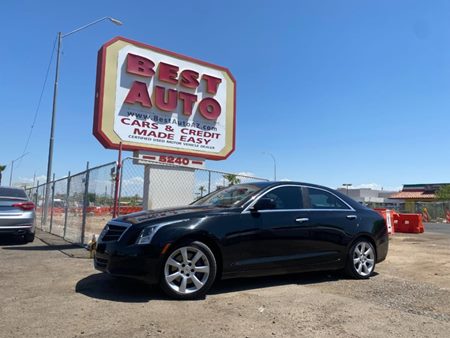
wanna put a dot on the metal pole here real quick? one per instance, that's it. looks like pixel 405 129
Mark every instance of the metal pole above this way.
pixel 66 206
pixel 52 128
pixel 346 185
pixel 53 200
pixel 85 203
pixel 37 194
pixel 274 165
pixel 120 188
pixel 12 168
pixel 11 173
pixel 209 182
pixel 55 94
pixel 116 190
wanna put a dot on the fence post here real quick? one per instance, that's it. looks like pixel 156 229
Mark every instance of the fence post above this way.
pixel 36 194
pixel 85 202
pixel 53 198
pixel 209 182
pixel 66 204
pixel 44 205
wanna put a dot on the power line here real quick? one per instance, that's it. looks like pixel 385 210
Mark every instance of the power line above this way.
pixel 39 103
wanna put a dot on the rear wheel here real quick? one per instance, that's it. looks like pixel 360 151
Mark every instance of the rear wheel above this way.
pixel 361 259
pixel 28 237
pixel 188 271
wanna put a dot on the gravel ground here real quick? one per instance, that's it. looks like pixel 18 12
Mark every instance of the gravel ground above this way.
pixel 46 293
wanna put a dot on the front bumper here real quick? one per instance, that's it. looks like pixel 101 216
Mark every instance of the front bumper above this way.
pixel 141 262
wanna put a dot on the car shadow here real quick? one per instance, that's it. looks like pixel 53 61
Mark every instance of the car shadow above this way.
pixel 59 247
pixel 11 240
pixel 105 287
pixel 243 284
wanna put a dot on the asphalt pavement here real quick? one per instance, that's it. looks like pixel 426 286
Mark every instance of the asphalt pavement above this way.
pixel 440 228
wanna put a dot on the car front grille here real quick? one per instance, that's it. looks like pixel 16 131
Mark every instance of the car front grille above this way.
pixel 112 232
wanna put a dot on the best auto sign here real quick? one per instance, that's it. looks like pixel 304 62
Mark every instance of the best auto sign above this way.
pixel 155 100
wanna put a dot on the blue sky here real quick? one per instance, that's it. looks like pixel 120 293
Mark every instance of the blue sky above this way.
pixel 338 91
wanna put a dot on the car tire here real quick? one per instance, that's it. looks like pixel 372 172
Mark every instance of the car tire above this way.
pixel 188 271
pixel 29 237
pixel 361 259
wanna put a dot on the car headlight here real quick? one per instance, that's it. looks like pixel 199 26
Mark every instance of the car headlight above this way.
pixel 146 235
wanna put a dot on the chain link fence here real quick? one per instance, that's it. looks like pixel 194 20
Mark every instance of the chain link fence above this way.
pixel 433 211
pixel 168 185
pixel 81 204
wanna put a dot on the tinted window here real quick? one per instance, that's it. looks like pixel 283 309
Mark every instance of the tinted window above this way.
pixel 12 192
pixel 286 197
pixel 320 199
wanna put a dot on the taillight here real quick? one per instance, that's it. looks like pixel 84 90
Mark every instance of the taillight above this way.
pixel 26 206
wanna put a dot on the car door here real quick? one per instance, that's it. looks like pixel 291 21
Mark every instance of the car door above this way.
pixel 328 221
pixel 283 241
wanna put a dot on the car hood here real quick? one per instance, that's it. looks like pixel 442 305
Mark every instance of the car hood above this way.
pixel 185 212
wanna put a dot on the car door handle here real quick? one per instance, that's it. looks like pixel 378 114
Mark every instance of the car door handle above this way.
pixel 352 216
pixel 302 220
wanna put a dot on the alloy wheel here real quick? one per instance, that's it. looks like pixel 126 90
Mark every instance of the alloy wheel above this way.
pixel 187 270
pixel 363 259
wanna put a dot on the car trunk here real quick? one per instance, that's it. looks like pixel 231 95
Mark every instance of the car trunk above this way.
pixel 8 213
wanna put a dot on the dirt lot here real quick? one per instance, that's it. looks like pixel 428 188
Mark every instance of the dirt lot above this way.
pixel 45 293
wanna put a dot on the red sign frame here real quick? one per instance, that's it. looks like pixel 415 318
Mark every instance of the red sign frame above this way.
pixel 100 92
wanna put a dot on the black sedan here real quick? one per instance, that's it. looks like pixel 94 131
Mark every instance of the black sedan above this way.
pixel 244 230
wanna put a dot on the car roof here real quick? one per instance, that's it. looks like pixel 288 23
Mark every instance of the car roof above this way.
pixel 275 183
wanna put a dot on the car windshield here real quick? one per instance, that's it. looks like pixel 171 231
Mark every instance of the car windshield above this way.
pixel 230 196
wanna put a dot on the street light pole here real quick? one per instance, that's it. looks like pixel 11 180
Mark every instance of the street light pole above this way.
pixel 55 94
pixel 12 168
pixel 347 185
pixel 274 164
pixel 52 127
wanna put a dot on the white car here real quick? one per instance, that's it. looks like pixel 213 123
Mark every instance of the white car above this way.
pixel 17 213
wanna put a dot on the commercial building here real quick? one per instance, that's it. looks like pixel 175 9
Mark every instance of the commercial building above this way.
pixel 422 198
pixel 372 197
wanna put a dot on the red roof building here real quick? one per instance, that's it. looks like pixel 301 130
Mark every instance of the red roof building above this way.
pixel 418 192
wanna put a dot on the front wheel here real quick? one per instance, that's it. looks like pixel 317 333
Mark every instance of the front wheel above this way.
pixel 361 260
pixel 188 271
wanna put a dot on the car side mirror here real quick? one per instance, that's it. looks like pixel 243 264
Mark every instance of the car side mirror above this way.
pixel 264 203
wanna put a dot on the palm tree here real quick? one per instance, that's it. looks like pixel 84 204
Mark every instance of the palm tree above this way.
pixel 2 168
pixel 232 179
